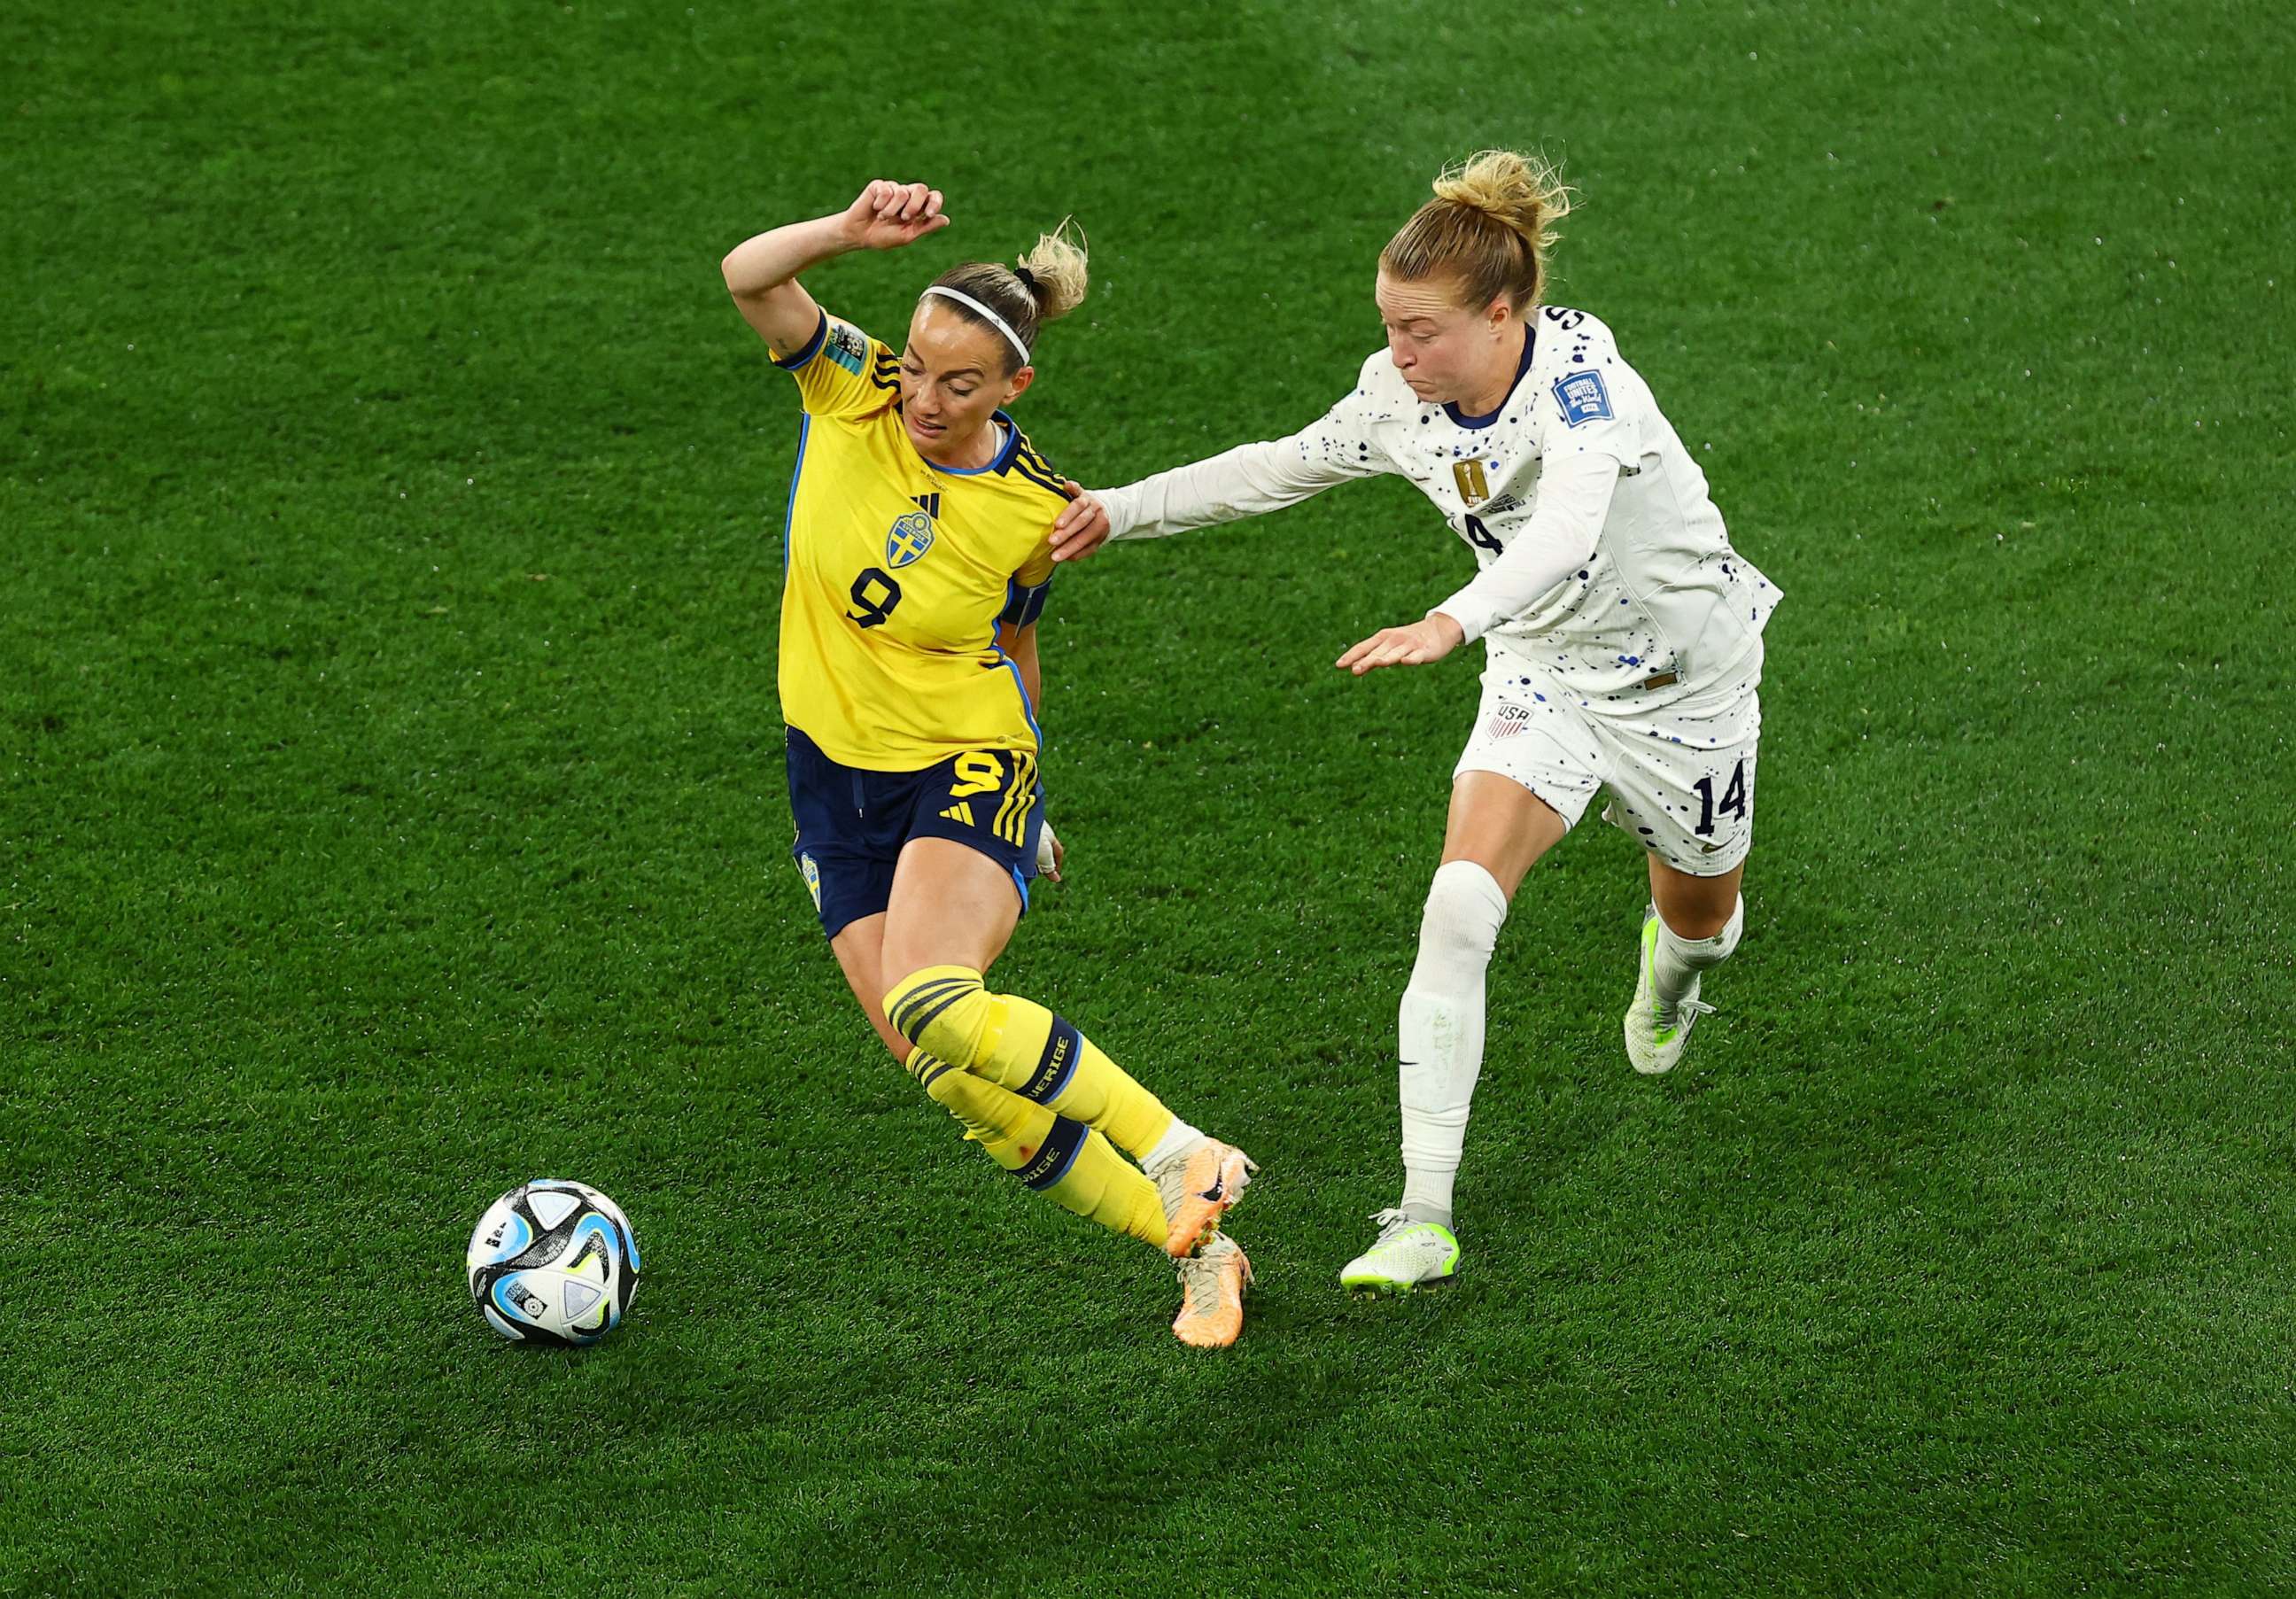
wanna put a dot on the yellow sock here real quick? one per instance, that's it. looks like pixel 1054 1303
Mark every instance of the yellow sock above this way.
pixel 1066 1161
pixel 1017 1044
pixel 1008 1127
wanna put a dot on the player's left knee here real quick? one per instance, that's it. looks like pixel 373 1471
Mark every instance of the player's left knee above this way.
pixel 963 1096
pixel 933 1008
pixel 1465 909
pixel 952 1087
pixel 1718 932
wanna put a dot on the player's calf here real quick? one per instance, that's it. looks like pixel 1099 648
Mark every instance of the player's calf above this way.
pixel 1019 1044
pixel 1440 1031
pixel 1070 1163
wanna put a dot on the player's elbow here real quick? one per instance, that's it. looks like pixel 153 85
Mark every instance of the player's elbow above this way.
pixel 741 281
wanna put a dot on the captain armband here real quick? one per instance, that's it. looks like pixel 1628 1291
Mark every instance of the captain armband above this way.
pixel 1023 604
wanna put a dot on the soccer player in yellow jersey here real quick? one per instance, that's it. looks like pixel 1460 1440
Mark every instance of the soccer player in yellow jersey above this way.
pixel 916 565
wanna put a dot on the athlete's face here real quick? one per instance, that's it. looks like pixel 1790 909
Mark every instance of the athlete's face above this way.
pixel 952 380
pixel 1445 350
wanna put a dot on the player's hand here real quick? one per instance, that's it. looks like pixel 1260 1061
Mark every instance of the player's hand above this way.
pixel 887 215
pixel 1049 854
pixel 1414 645
pixel 1082 525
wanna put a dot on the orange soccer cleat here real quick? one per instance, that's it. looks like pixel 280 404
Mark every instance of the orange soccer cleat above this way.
pixel 1197 1189
pixel 1212 1306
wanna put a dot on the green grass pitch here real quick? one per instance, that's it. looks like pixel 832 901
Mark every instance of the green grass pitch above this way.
pixel 391 810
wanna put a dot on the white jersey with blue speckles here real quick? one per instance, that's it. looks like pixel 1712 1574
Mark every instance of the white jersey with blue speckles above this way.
pixel 1663 592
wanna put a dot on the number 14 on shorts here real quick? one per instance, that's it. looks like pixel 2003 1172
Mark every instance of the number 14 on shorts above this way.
pixel 1733 803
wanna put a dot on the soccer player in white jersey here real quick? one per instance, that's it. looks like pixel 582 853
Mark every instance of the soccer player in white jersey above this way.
pixel 1622 635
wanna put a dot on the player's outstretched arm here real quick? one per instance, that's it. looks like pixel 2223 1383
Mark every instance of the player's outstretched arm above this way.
pixel 1574 497
pixel 761 272
pixel 1250 479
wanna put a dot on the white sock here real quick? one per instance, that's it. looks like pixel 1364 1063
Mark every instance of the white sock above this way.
pixel 1675 963
pixel 1178 1139
pixel 1441 1032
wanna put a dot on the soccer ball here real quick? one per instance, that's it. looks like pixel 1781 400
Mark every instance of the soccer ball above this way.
pixel 553 1262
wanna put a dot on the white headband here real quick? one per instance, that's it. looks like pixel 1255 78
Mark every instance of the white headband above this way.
pixel 994 320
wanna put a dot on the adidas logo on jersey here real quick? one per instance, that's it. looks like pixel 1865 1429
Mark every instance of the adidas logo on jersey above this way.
pixel 962 811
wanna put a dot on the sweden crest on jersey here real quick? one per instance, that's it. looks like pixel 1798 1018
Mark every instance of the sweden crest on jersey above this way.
pixel 911 534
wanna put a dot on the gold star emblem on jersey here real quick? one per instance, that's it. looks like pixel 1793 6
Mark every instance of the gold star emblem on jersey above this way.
pixel 1474 488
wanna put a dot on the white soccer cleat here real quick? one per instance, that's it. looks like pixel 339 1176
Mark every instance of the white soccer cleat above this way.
pixel 1655 1037
pixel 1407 1255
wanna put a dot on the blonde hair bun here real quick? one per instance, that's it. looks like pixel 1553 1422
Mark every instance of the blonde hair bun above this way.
pixel 1489 226
pixel 1524 192
pixel 1057 269
pixel 1048 282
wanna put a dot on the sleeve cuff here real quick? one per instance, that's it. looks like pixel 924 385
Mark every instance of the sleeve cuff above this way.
pixel 1116 503
pixel 812 347
pixel 1474 620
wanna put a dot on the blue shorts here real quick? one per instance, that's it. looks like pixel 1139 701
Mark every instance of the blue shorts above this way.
pixel 852 823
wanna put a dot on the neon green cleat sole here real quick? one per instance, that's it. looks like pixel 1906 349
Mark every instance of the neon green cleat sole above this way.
pixel 1408 1257
pixel 1654 1045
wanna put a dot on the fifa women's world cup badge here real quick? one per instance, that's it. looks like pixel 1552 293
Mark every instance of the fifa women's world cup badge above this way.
pixel 1474 486
pixel 1473 483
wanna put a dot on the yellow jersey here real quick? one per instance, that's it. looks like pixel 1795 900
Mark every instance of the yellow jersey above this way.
pixel 896 572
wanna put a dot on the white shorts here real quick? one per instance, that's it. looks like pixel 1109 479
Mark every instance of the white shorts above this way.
pixel 1681 777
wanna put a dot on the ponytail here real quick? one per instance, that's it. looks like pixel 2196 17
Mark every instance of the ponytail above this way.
pixel 1046 284
pixel 1054 274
